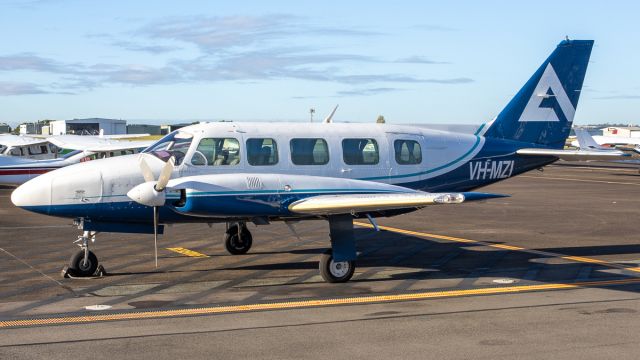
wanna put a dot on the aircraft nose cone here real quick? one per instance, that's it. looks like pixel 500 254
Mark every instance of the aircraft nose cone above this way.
pixel 33 195
pixel 20 197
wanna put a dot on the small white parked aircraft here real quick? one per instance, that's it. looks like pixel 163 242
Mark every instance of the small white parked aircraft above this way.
pixel 26 147
pixel 588 149
pixel 238 173
pixel 610 141
pixel 16 170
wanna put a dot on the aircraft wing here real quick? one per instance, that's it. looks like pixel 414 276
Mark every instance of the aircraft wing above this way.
pixel 95 144
pixel 206 195
pixel 19 140
pixel 575 155
pixel 358 203
pixel 123 136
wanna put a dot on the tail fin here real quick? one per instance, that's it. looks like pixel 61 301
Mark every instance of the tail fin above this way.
pixel 542 111
pixel 586 141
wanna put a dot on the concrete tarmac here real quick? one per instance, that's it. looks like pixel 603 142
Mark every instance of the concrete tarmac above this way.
pixel 552 271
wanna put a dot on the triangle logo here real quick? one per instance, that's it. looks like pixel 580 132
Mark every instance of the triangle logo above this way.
pixel 548 93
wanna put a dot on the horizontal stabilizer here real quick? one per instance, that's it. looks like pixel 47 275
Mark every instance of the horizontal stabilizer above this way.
pixel 575 155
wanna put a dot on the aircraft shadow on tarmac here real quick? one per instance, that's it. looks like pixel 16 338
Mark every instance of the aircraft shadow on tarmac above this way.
pixel 424 259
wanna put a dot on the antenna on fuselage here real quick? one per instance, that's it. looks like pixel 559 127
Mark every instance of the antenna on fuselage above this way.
pixel 311 112
pixel 328 118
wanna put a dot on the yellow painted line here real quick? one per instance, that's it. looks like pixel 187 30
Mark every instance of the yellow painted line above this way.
pixel 579 180
pixel 308 303
pixel 502 246
pixel 507 247
pixel 584 259
pixel 187 252
pixel 409 232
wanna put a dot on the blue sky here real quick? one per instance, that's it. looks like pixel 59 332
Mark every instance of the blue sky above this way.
pixel 456 62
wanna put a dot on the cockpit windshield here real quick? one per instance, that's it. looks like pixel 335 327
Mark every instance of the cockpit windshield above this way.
pixel 71 154
pixel 175 144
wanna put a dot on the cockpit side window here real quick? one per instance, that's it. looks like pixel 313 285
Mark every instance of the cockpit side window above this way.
pixel 217 152
pixel 16 151
pixel 175 144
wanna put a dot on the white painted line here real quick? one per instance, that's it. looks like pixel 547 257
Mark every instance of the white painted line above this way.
pixel 579 180
pixel 595 168
pixel 504 281
pixel 34 227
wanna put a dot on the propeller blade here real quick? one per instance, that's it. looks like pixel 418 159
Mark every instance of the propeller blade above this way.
pixel 155 232
pixel 146 170
pixel 165 174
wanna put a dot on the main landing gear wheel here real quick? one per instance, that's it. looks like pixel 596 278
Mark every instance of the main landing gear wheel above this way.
pixel 236 241
pixel 335 271
pixel 79 267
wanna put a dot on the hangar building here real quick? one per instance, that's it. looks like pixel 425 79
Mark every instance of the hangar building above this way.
pixel 91 126
pixel 630 131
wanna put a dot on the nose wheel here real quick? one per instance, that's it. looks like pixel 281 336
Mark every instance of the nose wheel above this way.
pixel 335 271
pixel 82 266
pixel 238 239
pixel 84 263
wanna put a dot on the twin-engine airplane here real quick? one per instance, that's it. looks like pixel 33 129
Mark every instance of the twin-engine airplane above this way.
pixel 238 173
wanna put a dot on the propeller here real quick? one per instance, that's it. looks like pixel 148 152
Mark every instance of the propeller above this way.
pixel 151 192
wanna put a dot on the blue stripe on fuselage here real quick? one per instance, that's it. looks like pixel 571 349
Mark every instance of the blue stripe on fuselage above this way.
pixel 240 203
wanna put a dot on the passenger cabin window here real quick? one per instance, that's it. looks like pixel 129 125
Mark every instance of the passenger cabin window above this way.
pixel 217 152
pixel 360 152
pixel 408 152
pixel 261 152
pixel 309 151
pixel 16 151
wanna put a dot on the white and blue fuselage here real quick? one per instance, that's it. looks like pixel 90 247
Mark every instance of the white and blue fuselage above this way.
pixel 243 171
pixel 97 191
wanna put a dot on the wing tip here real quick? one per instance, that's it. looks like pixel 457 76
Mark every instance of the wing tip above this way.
pixel 476 196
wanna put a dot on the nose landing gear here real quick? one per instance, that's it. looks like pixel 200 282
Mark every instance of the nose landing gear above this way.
pixel 84 263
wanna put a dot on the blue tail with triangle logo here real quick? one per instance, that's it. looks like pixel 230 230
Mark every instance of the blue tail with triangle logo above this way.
pixel 542 111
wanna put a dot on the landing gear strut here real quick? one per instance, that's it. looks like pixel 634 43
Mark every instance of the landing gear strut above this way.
pixel 84 262
pixel 338 264
pixel 237 238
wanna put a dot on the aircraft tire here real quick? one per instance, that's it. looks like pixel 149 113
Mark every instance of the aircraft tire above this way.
pixel 335 272
pixel 236 245
pixel 77 266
